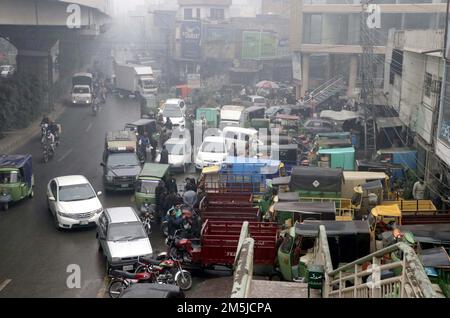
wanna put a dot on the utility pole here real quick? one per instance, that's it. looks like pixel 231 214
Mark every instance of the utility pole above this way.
pixel 368 87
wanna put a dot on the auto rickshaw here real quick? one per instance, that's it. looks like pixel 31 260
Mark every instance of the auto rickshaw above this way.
pixel 253 112
pixel 348 241
pixel 287 213
pixel 142 126
pixel 210 115
pixel 288 124
pixel 16 179
pixel 149 178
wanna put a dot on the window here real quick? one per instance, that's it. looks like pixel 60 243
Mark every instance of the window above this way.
pixel 427 84
pixel 217 14
pixel 188 14
pixel 198 14
pixel 53 188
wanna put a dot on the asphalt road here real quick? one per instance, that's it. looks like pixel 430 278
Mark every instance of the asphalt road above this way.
pixel 35 255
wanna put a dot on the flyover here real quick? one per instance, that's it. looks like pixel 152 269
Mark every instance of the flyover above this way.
pixel 44 30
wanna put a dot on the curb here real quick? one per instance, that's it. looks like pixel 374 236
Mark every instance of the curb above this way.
pixel 20 137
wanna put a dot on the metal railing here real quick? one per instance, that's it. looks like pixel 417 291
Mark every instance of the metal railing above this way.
pixel 322 89
pixel 243 264
pixel 354 280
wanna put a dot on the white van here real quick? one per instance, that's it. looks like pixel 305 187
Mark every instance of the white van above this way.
pixel 213 151
pixel 180 153
pixel 231 115
pixel 175 109
pixel 238 136
pixel 253 100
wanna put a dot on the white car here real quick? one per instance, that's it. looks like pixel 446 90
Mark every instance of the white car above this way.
pixel 213 151
pixel 175 109
pixel 180 154
pixel 73 202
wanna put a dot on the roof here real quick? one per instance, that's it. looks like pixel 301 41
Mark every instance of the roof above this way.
pixel 334 135
pixel 173 101
pixel 336 150
pixel 363 175
pixel 288 196
pixel 143 70
pixel 122 135
pixel 342 115
pixel 83 74
pixel 211 169
pixel 254 108
pixel 157 170
pixel 306 207
pixel 247 131
pixel 142 122
pixel 432 233
pixel 255 96
pixel 333 228
pixel 122 214
pixel 232 107
pixel 287 117
pixel 388 122
pixel 315 178
pixel 396 150
pixel 387 210
pixel 249 160
pixel 214 139
pixel 71 180
pixel 13 161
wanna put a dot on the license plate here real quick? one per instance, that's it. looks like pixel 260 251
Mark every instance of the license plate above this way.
pixel 128 268
pixel 124 185
pixel 84 222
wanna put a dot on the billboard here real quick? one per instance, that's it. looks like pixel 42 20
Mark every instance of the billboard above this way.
pixel 190 33
pixel 193 80
pixel 297 66
pixel 259 45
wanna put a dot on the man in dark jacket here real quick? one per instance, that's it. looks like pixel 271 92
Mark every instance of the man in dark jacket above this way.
pixel 164 155
pixel 172 184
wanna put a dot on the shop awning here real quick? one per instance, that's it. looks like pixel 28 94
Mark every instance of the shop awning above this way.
pixel 388 122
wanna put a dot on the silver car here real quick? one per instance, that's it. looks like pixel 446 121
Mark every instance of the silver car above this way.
pixel 122 238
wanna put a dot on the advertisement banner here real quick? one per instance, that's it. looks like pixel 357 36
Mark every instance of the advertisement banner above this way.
pixel 269 44
pixel 190 32
pixel 259 45
pixel 193 80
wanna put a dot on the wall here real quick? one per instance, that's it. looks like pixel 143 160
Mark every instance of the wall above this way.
pixel 204 12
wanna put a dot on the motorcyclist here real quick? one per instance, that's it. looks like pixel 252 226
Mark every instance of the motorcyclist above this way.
pixel 189 186
pixel 175 220
pixel 143 143
pixel 45 120
pixel 50 140
pixel 54 129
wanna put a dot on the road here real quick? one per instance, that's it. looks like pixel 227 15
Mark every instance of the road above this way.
pixel 34 254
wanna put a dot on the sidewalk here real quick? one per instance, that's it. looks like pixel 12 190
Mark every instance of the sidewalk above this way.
pixel 14 139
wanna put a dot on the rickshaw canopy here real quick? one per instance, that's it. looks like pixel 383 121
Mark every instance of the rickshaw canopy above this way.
pixel 315 179
pixel 288 196
pixel 211 170
pixel 387 210
pixel 310 228
pixel 429 233
pixel 327 210
pixel 363 175
pixel 154 170
pixel 23 162
pixel 246 165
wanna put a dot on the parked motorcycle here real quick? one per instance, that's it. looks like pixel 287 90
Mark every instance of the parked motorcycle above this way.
pixel 166 271
pixel 122 280
pixel 148 217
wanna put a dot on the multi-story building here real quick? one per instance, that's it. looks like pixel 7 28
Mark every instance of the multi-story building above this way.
pixel 326 33
pixel 413 76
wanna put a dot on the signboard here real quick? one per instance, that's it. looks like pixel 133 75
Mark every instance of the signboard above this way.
pixel 190 32
pixel 297 66
pixel 193 80
pixel 259 45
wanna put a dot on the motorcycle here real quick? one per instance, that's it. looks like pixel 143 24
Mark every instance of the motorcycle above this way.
pixel 165 271
pixel 94 108
pixel 47 152
pixel 122 280
pixel 148 217
pixel 180 248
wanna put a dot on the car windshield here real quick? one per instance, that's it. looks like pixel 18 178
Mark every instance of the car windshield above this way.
pixel 171 110
pixel 77 192
pixel 175 149
pixel 126 231
pixel 122 160
pixel 147 186
pixel 259 100
pixel 213 147
pixel 81 90
pixel 9 177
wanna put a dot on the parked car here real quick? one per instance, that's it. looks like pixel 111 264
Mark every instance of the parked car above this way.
pixel 175 109
pixel 213 151
pixel 122 238
pixel 73 202
pixel 314 126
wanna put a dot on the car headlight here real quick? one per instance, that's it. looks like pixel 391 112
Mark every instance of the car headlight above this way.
pixel 65 215
pixel 109 178
pixel 98 211
pixel 87 102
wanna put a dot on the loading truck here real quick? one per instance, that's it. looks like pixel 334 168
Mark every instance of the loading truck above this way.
pixel 134 80
pixel 82 88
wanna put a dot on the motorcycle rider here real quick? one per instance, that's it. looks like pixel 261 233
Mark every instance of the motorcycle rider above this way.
pixel 143 143
pixel 154 145
pixel 175 220
pixel 50 140
pixel 54 129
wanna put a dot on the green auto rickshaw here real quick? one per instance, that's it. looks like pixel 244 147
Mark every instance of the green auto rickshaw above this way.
pixel 149 178
pixel 347 240
pixel 16 179
pixel 210 115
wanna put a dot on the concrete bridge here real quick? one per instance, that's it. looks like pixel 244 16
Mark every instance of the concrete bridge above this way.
pixel 46 32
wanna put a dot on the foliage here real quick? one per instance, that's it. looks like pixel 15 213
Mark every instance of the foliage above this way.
pixel 22 99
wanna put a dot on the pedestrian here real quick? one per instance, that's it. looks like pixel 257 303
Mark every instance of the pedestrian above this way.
pixel 164 156
pixel 172 184
pixel 169 124
pixel 160 196
pixel 419 190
